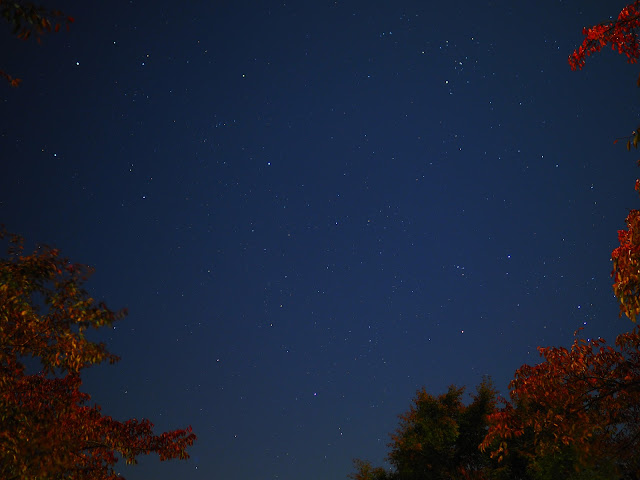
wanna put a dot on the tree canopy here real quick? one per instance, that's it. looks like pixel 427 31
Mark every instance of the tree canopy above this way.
pixel 48 428
pixel 438 438
pixel 626 265
pixel 581 403
pixel 576 414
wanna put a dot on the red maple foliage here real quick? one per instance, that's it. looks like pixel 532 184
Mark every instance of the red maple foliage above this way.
pixel 583 402
pixel 626 265
pixel 621 34
pixel 48 429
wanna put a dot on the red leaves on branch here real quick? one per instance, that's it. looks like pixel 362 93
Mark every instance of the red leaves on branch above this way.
pixel 621 34
pixel 47 427
pixel 577 414
pixel 585 401
pixel 626 265
pixel 581 406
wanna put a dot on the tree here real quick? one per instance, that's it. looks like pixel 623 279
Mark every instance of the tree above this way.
pixel 28 19
pixel 48 430
pixel 574 416
pixel 580 409
pixel 364 471
pixel 577 414
pixel 626 265
pixel 438 438
pixel 622 35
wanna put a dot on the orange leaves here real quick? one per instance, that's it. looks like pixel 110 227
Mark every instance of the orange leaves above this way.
pixel 626 266
pixel 46 428
pixel 584 399
pixel 56 333
pixel 631 139
pixel 14 82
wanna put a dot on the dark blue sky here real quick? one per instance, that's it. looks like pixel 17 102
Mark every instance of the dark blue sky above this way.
pixel 313 209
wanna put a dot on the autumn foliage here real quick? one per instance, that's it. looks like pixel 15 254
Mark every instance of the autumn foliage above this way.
pixel 48 428
pixel 580 407
pixel 621 34
pixel 29 20
pixel 626 265
pixel 583 401
pixel 576 414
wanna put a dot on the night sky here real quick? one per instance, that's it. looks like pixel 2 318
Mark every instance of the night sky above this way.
pixel 313 209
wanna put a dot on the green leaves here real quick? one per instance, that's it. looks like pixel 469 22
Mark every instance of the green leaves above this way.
pixel 438 437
